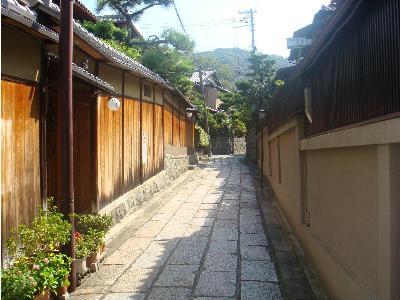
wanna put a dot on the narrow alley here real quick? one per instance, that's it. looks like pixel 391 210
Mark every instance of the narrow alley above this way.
pixel 207 240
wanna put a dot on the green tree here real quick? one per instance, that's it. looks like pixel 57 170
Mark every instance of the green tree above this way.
pixel 172 60
pixel 130 10
pixel 114 36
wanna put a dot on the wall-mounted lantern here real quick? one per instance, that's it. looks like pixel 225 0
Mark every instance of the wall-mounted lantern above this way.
pixel 261 114
pixel 189 112
pixel 113 104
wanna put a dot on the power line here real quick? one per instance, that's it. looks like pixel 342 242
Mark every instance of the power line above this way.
pixel 250 15
pixel 200 70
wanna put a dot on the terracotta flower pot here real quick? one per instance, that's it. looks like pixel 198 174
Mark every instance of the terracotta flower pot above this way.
pixel 80 265
pixel 92 258
pixel 62 291
pixel 44 296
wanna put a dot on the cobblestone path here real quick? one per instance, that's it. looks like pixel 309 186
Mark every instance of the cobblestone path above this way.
pixel 206 242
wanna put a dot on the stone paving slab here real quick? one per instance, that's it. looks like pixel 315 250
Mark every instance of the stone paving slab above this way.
pixel 216 284
pixel 177 275
pixel 206 242
pixel 260 290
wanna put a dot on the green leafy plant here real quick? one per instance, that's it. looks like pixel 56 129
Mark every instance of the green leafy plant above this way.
pixel 47 232
pixel 81 246
pixel 17 283
pixel 86 222
pixel 51 271
pixel 93 239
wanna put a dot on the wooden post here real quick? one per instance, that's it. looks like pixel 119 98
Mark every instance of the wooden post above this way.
pixel 122 131
pixel 163 132
pixel 172 123
pixel 43 106
pixel 141 131
pixel 65 128
pixel 154 128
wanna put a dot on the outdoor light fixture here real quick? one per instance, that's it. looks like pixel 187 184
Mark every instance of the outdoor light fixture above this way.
pixel 189 112
pixel 262 114
pixel 113 104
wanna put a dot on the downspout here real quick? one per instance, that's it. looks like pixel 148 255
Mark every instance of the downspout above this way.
pixel 65 129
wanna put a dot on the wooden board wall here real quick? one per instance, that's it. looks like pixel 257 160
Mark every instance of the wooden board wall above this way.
pixel 20 155
pixel 109 153
pixel 147 140
pixel 84 151
pixel 158 139
pixel 189 134
pixel 167 124
pixel 176 129
pixel 84 147
pixel 182 132
pixel 131 143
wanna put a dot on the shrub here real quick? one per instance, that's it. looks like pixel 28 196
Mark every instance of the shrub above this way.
pixel 48 231
pixel 17 283
pixel 86 222
pixel 81 246
pixel 51 270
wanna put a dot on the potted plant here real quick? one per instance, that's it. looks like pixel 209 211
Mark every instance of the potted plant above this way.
pixel 81 252
pixel 94 222
pixel 17 283
pixel 51 270
pixel 47 232
pixel 35 248
pixel 93 240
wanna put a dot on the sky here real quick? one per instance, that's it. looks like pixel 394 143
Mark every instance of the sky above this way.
pixel 216 23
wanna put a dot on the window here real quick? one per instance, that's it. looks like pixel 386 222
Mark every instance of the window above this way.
pixel 146 90
pixel 307 104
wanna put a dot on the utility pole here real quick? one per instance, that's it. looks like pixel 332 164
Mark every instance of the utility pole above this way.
pixel 65 129
pixel 205 106
pixel 250 15
pixel 200 69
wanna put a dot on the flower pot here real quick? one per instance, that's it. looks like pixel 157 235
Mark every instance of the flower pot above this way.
pixel 44 296
pixel 80 265
pixel 62 291
pixel 92 258
pixel 102 248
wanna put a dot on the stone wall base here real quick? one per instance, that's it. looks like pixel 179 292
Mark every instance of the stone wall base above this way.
pixel 132 200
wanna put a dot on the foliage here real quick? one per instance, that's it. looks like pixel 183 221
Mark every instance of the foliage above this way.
pixel 130 10
pixel 106 30
pixel 92 230
pixel 201 139
pixel 86 222
pixel 81 246
pixel 17 283
pixel 94 238
pixel 114 36
pixel 51 271
pixel 47 232
pixel 258 89
pixel 128 51
pixel 232 64
pixel 172 60
pixel 279 83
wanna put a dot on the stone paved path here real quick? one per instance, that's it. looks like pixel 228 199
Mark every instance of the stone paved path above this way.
pixel 206 242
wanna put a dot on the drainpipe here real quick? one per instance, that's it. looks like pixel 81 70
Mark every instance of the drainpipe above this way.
pixel 65 133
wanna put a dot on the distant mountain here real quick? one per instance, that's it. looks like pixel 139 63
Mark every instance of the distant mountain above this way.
pixel 232 63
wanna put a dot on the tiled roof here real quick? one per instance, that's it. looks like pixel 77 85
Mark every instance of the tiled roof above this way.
pixel 16 7
pixel 85 75
pixel 206 75
pixel 24 15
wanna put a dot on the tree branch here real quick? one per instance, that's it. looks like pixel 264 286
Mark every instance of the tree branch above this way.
pixel 140 11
